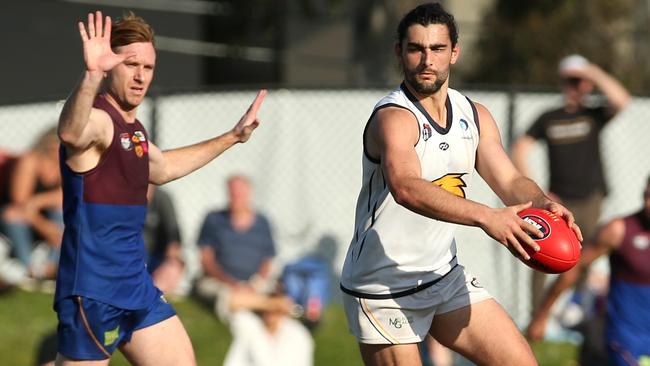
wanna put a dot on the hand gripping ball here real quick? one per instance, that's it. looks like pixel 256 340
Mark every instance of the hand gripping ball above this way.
pixel 559 247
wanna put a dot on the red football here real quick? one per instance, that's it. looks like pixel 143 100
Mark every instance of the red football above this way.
pixel 559 248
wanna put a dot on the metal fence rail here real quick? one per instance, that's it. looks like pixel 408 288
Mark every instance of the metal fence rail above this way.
pixel 305 164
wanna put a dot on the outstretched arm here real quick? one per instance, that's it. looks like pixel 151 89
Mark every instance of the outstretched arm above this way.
pixel 165 166
pixel 520 150
pixel 609 238
pixel 79 128
pixel 391 137
pixel 508 183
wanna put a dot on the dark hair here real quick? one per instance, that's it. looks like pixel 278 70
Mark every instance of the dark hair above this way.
pixel 425 14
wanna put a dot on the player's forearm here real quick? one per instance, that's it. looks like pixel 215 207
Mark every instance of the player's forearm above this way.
pixel 520 150
pixel 520 190
pixel 561 284
pixel 45 200
pixel 182 161
pixel 214 270
pixel 429 200
pixel 616 94
pixel 48 229
pixel 76 110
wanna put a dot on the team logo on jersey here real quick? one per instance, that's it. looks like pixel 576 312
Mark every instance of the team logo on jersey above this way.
pixel 641 242
pixel 140 143
pixel 140 135
pixel 452 183
pixel 139 151
pixel 464 125
pixel 426 131
pixel 125 139
pixel 443 146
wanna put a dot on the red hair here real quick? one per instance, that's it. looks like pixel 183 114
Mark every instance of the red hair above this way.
pixel 130 29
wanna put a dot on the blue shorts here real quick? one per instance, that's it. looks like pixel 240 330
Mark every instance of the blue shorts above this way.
pixel 92 330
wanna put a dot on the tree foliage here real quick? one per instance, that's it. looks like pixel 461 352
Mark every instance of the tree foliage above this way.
pixel 521 42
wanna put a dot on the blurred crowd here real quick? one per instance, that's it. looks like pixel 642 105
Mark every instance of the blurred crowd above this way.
pixel 269 308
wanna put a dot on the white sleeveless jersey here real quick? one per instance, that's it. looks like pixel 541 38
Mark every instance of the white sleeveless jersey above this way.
pixel 394 251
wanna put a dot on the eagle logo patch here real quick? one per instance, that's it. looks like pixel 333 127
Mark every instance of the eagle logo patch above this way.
pixel 452 183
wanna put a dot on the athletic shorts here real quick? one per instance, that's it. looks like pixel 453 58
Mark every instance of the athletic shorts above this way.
pixel 92 330
pixel 407 319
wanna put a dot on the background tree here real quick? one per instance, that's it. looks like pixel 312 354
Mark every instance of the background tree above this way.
pixel 521 42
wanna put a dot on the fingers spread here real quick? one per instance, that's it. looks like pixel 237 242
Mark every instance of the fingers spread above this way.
pixel 517 248
pixel 577 231
pixel 522 206
pixel 525 239
pixel 82 31
pixel 99 27
pixel 107 28
pixel 530 228
pixel 91 25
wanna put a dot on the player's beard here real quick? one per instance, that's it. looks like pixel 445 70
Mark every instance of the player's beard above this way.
pixel 426 88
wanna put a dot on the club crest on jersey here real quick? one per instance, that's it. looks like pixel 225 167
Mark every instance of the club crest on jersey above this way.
pixel 464 125
pixel 452 183
pixel 426 131
pixel 140 136
pixel 443 146
pixel 125 139
pixel 641 242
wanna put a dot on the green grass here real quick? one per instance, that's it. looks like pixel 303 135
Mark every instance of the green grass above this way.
pixel 27 317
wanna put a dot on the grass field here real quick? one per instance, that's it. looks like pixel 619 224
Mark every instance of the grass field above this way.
pixel 27 317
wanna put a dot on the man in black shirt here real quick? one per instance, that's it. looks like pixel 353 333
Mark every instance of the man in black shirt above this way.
pixel 572 134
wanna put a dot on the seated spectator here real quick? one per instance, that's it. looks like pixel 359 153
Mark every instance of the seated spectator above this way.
pixel 162 240
pixel 34 210
pixel 268 337
pixel 308 280
pixel 237 250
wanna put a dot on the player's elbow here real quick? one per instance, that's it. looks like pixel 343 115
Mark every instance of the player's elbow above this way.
pixel 66 137
pixel 402 195
pixel 71 139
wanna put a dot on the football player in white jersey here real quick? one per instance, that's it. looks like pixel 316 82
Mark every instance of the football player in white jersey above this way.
pixel 401 279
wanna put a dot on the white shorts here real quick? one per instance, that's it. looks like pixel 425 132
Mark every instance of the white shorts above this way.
pixel 408 319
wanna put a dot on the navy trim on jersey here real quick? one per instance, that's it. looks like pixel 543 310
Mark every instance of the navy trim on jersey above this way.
pixel 395 295
pixel 434 124
pixel 374 212
pixel 361 248
pixel 365 129
pixel 370 188
pixel 475 112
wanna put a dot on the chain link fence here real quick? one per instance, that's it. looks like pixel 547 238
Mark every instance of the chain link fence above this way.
pixel 305 165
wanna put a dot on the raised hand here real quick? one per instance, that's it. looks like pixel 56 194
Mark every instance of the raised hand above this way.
pixel 249 122
pixel 96 37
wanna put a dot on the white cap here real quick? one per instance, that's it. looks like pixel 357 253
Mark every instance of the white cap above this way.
pixel 572 62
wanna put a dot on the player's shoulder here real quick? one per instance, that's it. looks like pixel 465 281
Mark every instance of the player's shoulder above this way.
pixel 552 114
pixel 397 97
pixel 217 215
pixel 100 117
pixel 393 120
pixel 613 231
